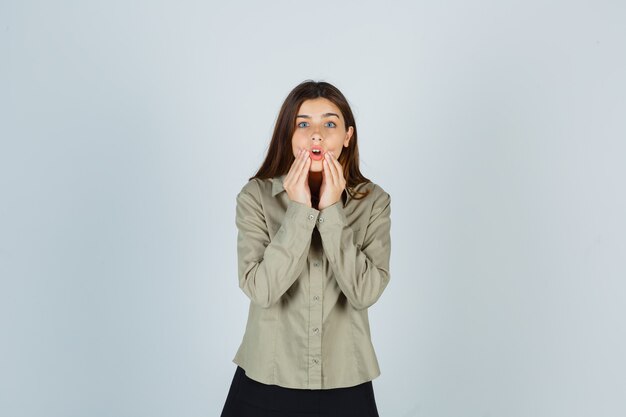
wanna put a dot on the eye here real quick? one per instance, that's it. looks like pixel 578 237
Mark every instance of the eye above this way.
pixel 303 124
pixel 331 124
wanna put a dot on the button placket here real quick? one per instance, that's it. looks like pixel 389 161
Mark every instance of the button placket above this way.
pixel 316 279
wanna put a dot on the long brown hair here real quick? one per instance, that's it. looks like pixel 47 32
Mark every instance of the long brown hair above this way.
pixel 280 156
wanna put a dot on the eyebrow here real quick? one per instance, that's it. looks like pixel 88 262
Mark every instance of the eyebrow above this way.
pixel 306 116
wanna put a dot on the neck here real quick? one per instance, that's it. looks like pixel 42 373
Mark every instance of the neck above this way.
pixel 315 182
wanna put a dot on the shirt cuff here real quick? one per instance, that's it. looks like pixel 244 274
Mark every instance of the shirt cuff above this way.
pixel 332 217
pixel 302 214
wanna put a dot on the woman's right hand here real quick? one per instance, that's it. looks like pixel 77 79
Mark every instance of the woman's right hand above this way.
pixel 296 182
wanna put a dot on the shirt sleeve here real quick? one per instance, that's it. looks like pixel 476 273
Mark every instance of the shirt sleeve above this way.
pixel 361 273
pixel 268 267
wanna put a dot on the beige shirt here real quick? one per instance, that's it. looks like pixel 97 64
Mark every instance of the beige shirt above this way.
pixel 310 276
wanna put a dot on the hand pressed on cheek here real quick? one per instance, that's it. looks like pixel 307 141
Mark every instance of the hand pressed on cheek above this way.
pixel 333 182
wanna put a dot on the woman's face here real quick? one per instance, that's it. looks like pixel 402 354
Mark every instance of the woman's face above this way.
pixel 320 126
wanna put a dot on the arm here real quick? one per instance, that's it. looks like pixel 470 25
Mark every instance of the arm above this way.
pixel 267 269
pixel 362 273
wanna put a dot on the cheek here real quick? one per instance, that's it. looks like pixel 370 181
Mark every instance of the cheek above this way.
pixel 298 141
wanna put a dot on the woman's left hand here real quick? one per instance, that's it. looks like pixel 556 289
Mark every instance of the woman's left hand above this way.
pixel 333 182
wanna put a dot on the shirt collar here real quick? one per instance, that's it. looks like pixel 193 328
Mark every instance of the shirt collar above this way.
pixel 277 187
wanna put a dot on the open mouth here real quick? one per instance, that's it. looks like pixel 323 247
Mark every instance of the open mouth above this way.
pixel 316 154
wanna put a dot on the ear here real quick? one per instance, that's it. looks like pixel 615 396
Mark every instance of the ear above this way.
pixel 346 141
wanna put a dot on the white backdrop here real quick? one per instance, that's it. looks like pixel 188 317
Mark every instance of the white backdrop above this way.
pixel 498 128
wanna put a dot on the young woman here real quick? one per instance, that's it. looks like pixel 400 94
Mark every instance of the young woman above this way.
pixel 313 250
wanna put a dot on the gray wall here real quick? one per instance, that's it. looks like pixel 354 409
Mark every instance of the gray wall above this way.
pixel 498 128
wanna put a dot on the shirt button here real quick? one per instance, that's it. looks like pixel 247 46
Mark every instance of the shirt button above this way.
pixel 316 330
pixel 315 264
pixel 311 216
pixel 321 219
pixel 316 298
pixel 315 361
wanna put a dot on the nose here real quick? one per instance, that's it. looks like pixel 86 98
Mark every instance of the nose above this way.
pixel 316 136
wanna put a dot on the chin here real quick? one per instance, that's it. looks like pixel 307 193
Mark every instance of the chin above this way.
pixel 316 167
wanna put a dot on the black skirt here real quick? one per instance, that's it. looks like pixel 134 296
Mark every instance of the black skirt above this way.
pixel 250 398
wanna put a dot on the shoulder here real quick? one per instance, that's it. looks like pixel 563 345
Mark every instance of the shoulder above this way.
pixel 255 188
pixel 379 205
pixel 376 193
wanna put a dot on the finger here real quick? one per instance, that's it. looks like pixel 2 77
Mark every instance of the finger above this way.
pixel 339 170
pixel 304 168
pixel 295 160
pixel 332 177
pixel 295 168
